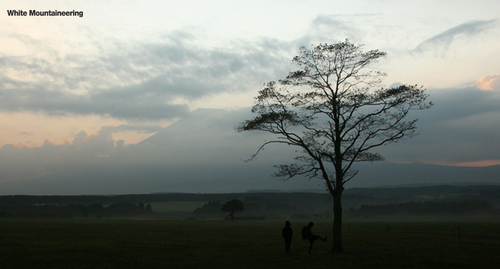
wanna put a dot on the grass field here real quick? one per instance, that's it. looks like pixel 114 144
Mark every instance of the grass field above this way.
pixel 242 244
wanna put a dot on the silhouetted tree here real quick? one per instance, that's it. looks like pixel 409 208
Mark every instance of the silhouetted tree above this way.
pixel 427 208
pixel 209 208
pixel 336 111
pixel 148 209
pixel 124 209
pixel 140 206
pixel 96 209
pixel 233 206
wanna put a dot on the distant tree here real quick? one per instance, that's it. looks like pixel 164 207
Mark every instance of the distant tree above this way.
pixel 336 111
pixel 427 208
pixel 96 209
pixel 123 209
pixel 5 214
pixel 209 208
pixel 148 209
pixel 140 206
pixel 233 206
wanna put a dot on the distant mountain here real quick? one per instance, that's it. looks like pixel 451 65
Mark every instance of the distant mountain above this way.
pixel 199 127
pixel 203 154
pixel 390 174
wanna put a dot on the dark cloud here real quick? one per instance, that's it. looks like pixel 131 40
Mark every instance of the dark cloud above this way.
pixel 51 102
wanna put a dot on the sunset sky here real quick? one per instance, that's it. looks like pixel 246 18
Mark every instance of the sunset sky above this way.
pixel 101 83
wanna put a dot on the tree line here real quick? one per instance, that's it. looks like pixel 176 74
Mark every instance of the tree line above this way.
pixel 427 208
pixel 75 210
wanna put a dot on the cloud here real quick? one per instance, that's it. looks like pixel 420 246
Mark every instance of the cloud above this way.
pixel 22 162
pixel 335 28
pixel 489 83
pixel 52 102
pixel 443 40
pixel 142 129
pixel 337 24
pixel 201 146
pixel 158 80
pixel 26 133
pixel 141 81
pixel 462 126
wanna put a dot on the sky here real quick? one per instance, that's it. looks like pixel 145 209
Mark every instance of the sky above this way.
pixel 79 92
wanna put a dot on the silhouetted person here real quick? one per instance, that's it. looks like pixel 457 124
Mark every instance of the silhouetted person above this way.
pixel 307 234
pixel 287 235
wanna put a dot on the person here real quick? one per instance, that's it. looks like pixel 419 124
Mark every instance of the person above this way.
pixel 287 233
pixel 307 234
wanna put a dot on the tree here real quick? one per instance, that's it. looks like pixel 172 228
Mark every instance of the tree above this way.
pixel 209 208
pixel 148 209
pixel 335 110
pixel 233 206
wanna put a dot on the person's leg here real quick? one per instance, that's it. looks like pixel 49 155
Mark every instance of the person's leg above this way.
pixel 288 242
pixel 311 242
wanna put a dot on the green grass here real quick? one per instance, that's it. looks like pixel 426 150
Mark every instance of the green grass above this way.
pixel 178 206
pixel 242 244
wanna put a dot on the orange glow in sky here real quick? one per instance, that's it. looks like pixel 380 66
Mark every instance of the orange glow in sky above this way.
pixel 32 130
pixel 482 163
pixel 489 83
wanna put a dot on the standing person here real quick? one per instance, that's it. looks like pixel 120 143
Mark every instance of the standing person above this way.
pixel 307 234
pixel 287 233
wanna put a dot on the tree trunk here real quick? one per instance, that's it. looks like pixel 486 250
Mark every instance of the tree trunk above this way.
pixel 337 222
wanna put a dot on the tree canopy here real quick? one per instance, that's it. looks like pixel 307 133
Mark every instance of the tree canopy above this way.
pixel 336 110
pixel 233 206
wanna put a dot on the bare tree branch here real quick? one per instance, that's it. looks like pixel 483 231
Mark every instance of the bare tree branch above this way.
pixel 336 110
